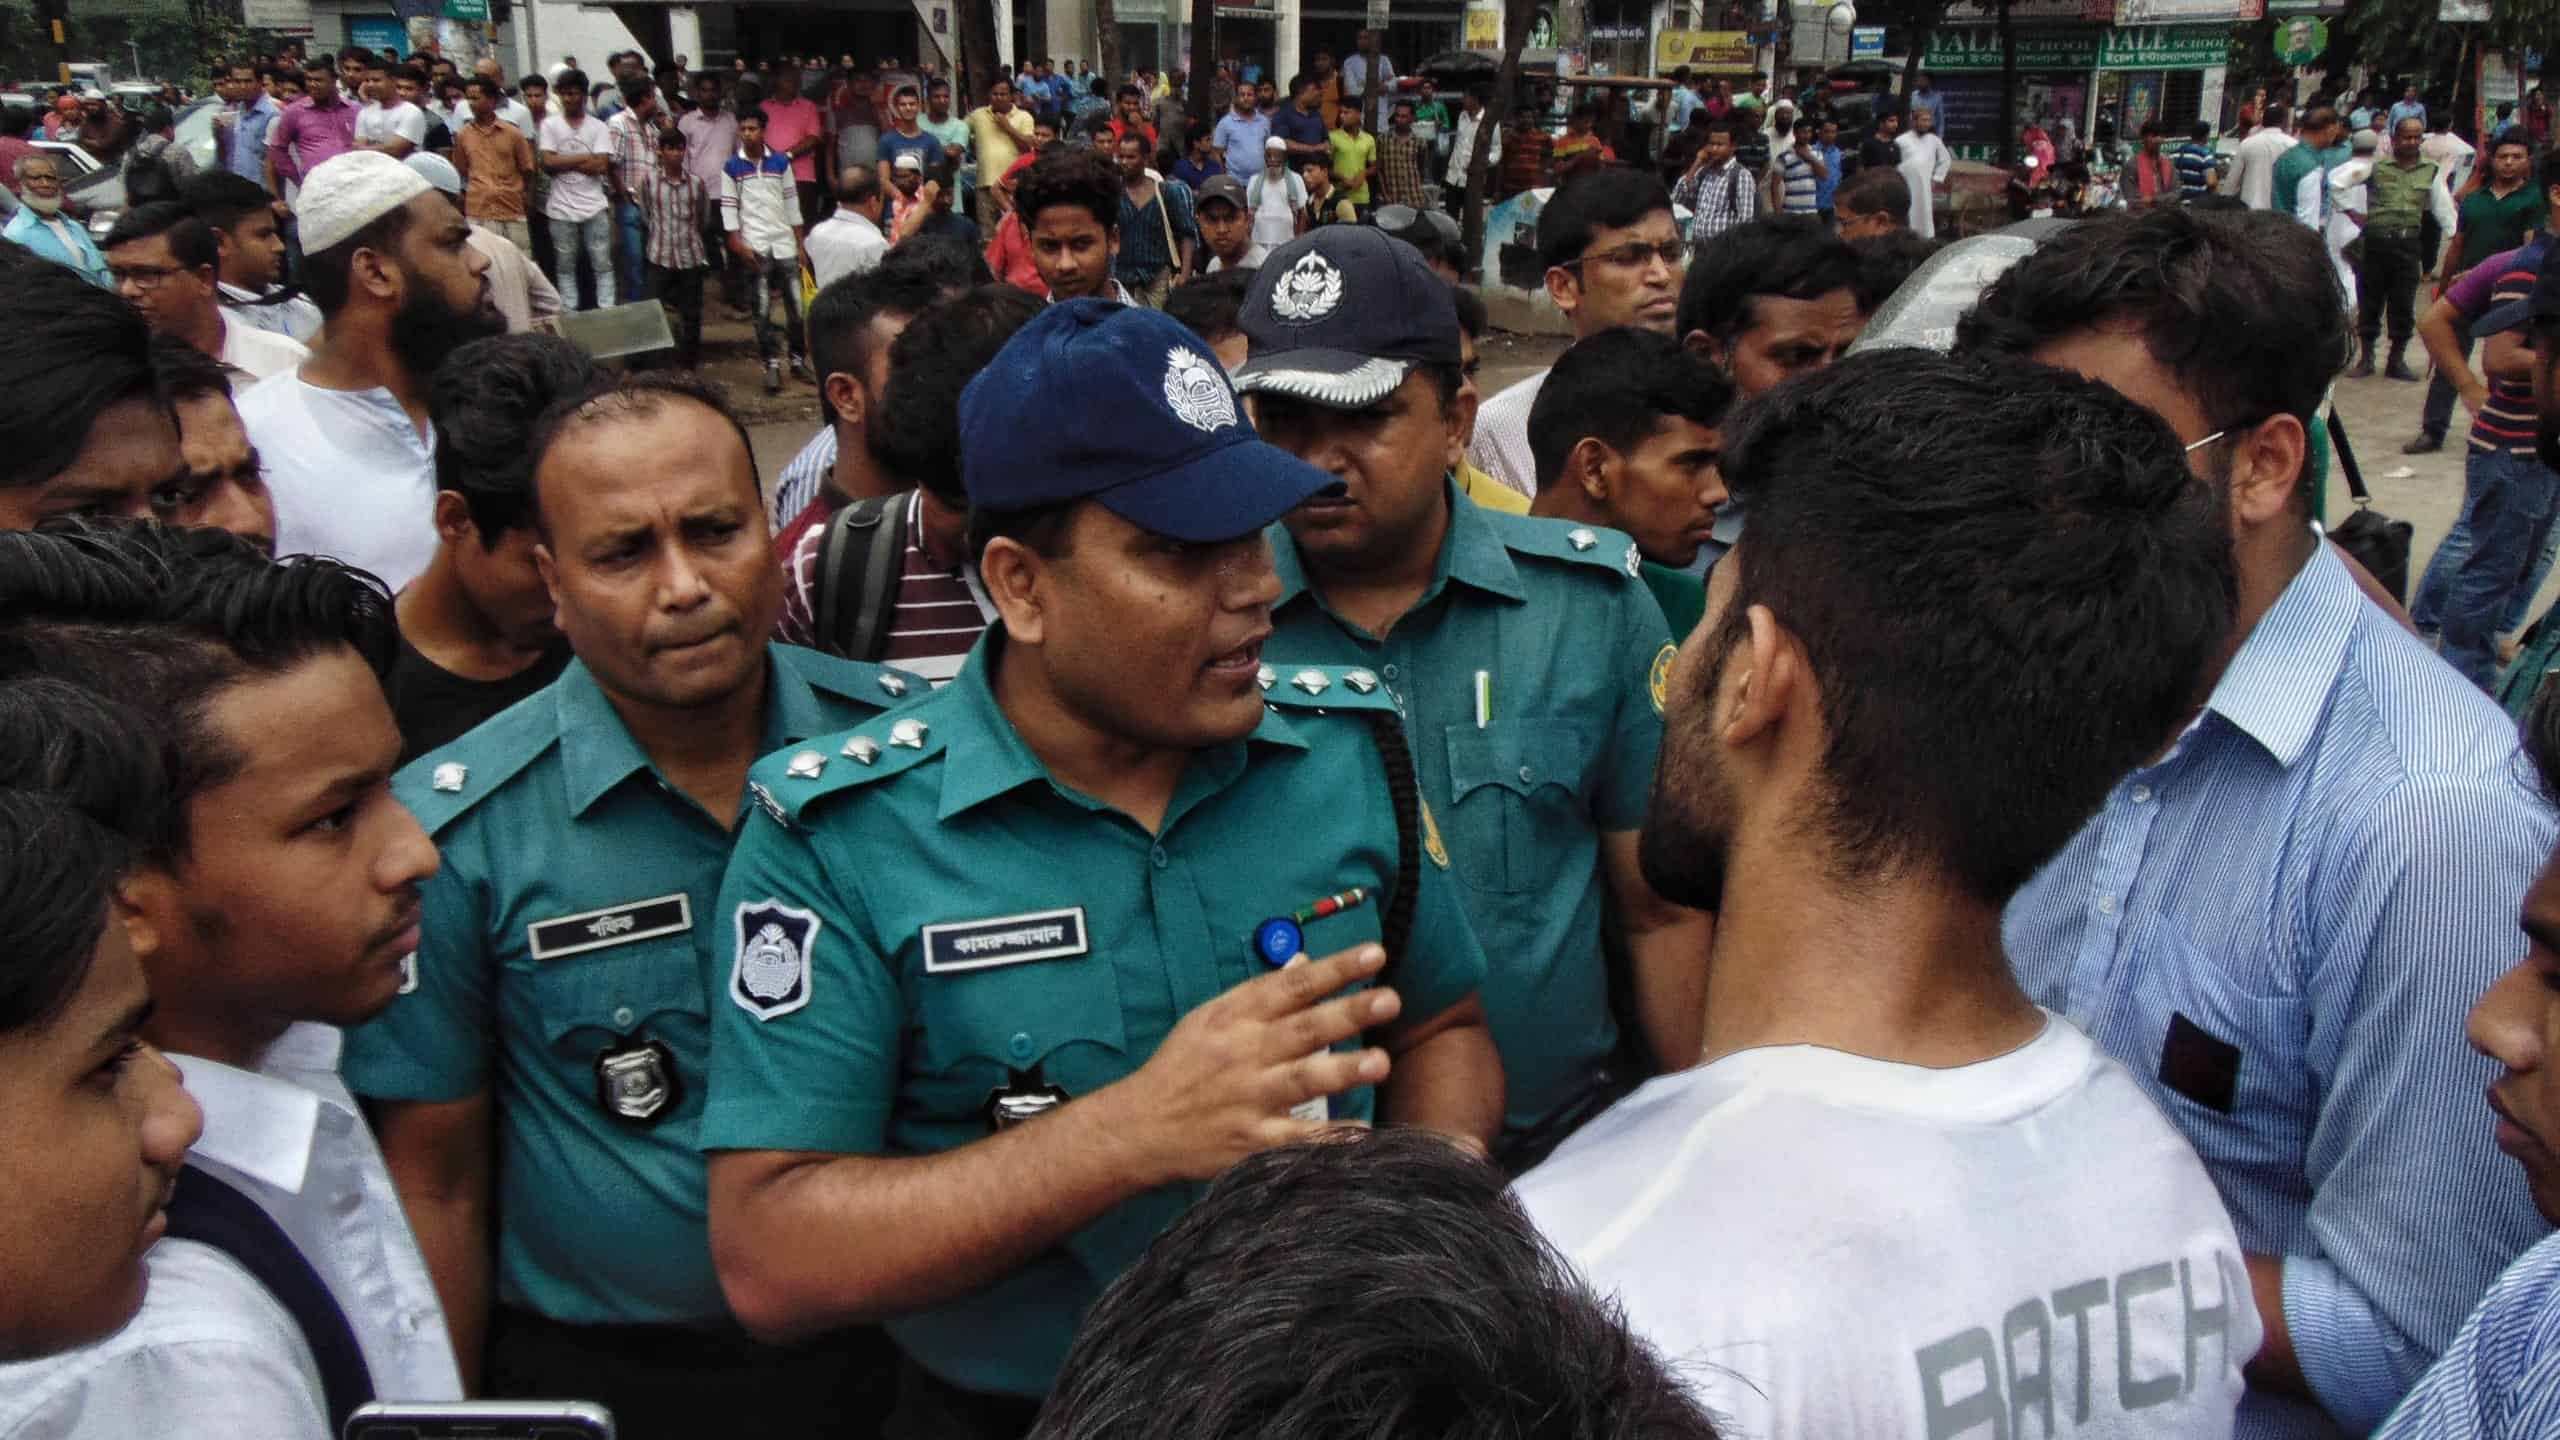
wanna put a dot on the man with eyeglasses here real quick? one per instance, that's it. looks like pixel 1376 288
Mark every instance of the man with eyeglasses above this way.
pixel 2279 921
pixel 1613 256
pixel 42 228
pixel 166 263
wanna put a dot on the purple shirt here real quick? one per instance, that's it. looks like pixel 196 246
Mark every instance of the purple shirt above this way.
pixel 308 134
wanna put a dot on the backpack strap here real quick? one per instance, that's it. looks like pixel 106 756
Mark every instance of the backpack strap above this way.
pixel 860 563
pixel 211 1212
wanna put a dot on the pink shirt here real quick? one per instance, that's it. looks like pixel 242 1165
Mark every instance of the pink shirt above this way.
pixel 307 134
pixel 787 123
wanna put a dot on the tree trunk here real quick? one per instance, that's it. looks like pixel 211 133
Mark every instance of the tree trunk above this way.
pixel 2008 91
pixel 1516 18
pixel 1204 67
pixel 978 64
pixel 1106 22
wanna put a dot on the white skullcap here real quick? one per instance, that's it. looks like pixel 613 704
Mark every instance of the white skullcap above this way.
pixel 438 170
pixel 907 160
pixel 345 193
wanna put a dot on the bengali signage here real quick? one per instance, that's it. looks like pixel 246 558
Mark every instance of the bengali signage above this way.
pixel 1985 12
pixel 1975 50
pixel 2166 12
pixel 1721 50
pixel 1484 27
pixel 2166 47
pixel 467 10
pixel 1866 42
pixel 281 17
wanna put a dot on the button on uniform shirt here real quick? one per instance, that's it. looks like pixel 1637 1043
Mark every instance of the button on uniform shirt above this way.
pixel 353 476
pixel 1565 755
pixel 308 133
pixel 573 914
pixel 758 201
pixel 2279 928
pixel 949 921
pixel 575 194
pixel 2051 1260
pixel 2500 1379
pixel 213 1350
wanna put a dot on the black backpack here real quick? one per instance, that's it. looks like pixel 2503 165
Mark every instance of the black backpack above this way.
pixel 860 562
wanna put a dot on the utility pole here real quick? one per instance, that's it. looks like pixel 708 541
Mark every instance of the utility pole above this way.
pixel 55 16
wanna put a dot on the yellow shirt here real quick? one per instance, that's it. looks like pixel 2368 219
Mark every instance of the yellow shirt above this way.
pixel 1490 493
pixel 998 141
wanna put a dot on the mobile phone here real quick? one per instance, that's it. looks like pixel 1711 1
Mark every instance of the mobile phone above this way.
pixel 480 1420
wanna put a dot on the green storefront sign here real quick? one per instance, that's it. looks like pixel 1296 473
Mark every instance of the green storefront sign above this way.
pixel 2166 47
pixel 466 10
pixel 1975 49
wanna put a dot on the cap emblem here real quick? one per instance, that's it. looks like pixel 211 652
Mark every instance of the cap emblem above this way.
pixel 1309 292
pixel 1197 390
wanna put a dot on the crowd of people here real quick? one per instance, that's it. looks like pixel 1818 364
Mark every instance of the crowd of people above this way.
pixel 1181 870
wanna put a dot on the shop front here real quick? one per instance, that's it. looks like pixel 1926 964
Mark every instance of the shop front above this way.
pixel 2055 63
pixel 2169 73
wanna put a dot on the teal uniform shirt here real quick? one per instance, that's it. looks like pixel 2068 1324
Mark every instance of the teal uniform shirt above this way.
pixel 573 916
pixel 1575 652
pixel 944 930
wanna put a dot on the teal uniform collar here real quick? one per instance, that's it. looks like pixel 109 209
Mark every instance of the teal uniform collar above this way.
pixel 597 752
pixel 1471 553
pixel 985 756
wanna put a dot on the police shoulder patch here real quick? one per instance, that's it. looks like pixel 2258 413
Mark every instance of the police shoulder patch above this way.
pixel 772 973
pixel 445 784
pixel 873 687
pixel 1591 545
pixel 1657 680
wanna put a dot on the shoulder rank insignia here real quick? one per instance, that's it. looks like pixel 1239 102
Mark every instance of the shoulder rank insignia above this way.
pixel 449 777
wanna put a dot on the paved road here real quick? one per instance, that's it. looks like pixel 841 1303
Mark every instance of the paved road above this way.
pixel 2380 414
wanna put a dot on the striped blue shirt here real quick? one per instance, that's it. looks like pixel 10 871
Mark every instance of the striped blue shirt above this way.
pixel 2279 926
pixel 802 479
pixel 2500 1379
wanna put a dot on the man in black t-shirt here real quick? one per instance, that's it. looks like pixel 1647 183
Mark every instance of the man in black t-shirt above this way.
pixel 475 626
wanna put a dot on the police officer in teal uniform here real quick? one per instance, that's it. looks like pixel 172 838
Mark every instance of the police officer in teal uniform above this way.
pixel 1015 969
pixel 1528 657
pixel 541 1077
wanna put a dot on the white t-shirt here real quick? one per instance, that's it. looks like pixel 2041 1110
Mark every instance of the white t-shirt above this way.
pixel 1825 1244
pixel 1501 446
pixel 1275 208
pixel 258 353
pixel 845 243
pixel 378 123
pixel 352 476
pixel 575 194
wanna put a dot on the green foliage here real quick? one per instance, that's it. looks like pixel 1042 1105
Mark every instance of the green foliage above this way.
pixel 179 41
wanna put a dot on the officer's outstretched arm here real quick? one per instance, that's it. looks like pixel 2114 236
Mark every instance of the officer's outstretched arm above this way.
pixel 1667 953
pixel 798 1237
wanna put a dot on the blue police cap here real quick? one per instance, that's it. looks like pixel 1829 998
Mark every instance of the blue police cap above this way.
pixel 1125 406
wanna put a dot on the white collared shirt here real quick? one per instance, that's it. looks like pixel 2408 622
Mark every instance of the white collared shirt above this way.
pixel 293 316
pixel 353 477
pixel 212 1351
pixel 845 243
pixel 258 353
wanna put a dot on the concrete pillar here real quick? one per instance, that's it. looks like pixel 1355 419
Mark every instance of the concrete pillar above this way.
pixel 1071 31
pixel 1004 35
pixel 1284 44
pixel 684 34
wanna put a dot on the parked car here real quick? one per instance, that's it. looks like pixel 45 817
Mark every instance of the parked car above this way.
pixel 95 192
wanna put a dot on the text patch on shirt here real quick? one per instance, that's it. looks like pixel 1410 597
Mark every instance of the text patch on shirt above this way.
pixel 1003 940
pixel 624 924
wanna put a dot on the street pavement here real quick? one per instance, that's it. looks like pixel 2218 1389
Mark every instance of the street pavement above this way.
pixel 2380 415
